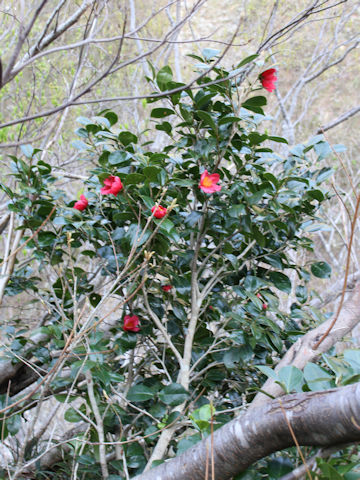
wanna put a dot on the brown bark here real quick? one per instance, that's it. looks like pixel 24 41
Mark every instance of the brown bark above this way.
pixel 326 418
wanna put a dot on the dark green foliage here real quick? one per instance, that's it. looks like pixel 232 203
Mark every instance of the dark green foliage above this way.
pixel 239 237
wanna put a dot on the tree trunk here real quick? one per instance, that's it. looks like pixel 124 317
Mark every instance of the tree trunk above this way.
pixel 325 418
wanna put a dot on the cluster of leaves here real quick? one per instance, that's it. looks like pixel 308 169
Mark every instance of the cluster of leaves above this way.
pixel 233 246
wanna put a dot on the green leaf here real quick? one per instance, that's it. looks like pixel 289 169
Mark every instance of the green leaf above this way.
pixel 203 101
pixel 228 119
pixel 317 377
pixel 246 60
pixel 112 117
pixel 269 372
pixel 193 218
pixel 321 269
pixel 183 182
pixel 301 293
pixel 187 442
pixel 151 173
pixel 135 234
pixel 84 120
pixel 280 281
pixel 206 118
pixel 140 393
pixel 291 377
pixel 13 424
pixel 258 101
pixel 323 149
pixel 27 150
pixel 161 112
pixel 44 168
pixel 134 179
pixel 118 157
pixel 86 460
pixel 173 394
pixel 353 358
pixel 278 139
pixel 94 299
pixel 164 127
pixel 79 145
pixel 278 467
pixel 46 239
pixel 127 137
pixel 274 260
pixel 338 366
pixel 166 224
pixel 72 416
pixel 209 53
pixel 163 77
pixel 330 472
pixel 316 195
pixel 324 174
pixel 126 342
pixel 236 210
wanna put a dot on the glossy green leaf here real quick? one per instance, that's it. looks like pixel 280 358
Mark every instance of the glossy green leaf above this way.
pixel 134 179
pixel 280 281
pixel 291 377
pixel 127 137
pixel 317 377
pixel 321 269
pixel 140 393
pixel 161 112
pixel 173 394
pixel 269 372
pixel 246 60
pixel 72 416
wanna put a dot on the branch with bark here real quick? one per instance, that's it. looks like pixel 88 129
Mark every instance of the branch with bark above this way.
pixel 301 352
pixel 326 418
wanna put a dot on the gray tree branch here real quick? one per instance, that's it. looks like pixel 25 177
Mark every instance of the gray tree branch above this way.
pixel 301 352
pixel 325 419
pixel 345 116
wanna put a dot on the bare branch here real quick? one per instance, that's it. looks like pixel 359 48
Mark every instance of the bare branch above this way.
pixel 24 32
pixel 51 37
pixel 345 116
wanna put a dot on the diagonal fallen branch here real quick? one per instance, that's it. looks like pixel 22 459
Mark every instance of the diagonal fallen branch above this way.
pixel 302 351
pixel 325 419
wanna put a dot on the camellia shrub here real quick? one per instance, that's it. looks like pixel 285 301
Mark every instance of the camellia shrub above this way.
pixel 189 249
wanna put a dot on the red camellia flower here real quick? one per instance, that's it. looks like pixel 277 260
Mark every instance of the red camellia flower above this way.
pixel 131 323
pixel 166 288
pixel 208 182
pixel 82 203
pixel 159 211
pixel 113 186
pixel 268 79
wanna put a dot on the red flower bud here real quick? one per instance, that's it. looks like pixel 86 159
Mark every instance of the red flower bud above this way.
pixel 166 288
pixel 82 203
pixel 264 306
pixel 158 211
pixel 131 323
